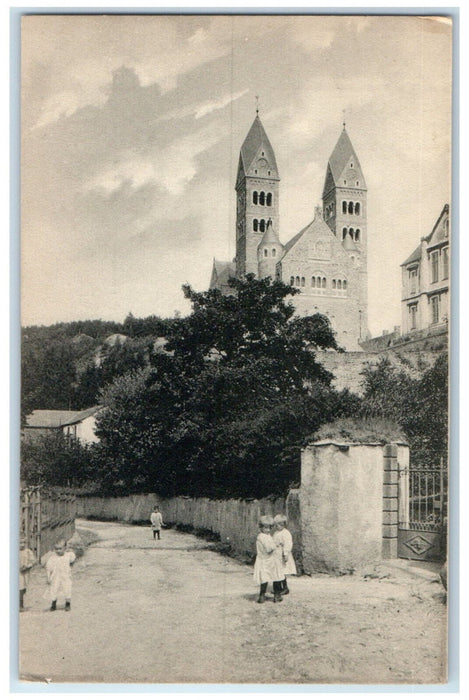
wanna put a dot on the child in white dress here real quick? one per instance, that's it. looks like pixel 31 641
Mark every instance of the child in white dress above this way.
pixel 283 539
pixel 27 561
pixel 267 566
pixel 59 574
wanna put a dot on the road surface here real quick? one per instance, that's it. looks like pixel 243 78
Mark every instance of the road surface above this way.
pixel 174 611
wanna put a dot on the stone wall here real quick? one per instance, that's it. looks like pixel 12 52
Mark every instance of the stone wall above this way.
pixel 347 366
pixel 234 521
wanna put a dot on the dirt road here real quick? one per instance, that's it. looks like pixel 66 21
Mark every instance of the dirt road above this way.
pixel 175 612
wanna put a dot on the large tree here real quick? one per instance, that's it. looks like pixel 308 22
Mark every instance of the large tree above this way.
pixel 220 411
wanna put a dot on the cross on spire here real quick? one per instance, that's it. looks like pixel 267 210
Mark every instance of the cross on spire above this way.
pixel 343 118
pixel 257 104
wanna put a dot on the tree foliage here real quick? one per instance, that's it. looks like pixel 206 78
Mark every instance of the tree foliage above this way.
pixel 55 460
pixel 418 404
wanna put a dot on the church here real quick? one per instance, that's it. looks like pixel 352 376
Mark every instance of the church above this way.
pixel 327 259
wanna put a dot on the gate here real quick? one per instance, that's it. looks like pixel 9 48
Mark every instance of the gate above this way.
pixel 45 517
pixel 423 493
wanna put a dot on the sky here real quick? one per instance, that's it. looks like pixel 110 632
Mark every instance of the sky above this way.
pixel 131 132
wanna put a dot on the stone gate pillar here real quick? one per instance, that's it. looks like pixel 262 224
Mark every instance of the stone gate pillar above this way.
pixel 341 503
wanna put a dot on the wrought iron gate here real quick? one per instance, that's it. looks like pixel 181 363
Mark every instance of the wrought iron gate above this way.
pixel 422 513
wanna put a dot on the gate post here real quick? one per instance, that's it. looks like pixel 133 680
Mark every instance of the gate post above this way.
pixel 395 494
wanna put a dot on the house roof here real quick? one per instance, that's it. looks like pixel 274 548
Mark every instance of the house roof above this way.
pixel 222 271
pixel 438 233
pixel 57 419
pixel 414 257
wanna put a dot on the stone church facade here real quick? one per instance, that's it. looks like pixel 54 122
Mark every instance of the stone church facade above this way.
pixel 327 259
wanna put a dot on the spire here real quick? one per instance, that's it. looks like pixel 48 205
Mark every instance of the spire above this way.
pixel 257 153
pixel 343 168
pixel 269 236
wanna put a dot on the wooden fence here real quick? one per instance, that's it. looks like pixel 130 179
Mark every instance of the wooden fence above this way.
pixel 45 517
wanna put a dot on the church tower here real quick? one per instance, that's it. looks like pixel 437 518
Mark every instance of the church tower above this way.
pixel 257 189
pixel 345 212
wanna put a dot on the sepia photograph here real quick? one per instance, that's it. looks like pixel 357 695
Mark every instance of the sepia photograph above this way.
pixel 235 341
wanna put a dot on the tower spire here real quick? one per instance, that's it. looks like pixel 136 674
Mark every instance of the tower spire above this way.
pixel 257 105
pixel 343 118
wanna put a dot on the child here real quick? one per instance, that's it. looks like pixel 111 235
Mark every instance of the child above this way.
pixel 267 566
pixel 59 574
pixel 27 560
pixel 283 539
pixel 156 520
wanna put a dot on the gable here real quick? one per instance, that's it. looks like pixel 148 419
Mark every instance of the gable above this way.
pixel 316 242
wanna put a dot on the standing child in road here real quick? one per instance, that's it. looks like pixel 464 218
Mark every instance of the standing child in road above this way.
pixel 267 566
pixel 59 574
pixel 282 538
pixel 27 560
pixel 156 520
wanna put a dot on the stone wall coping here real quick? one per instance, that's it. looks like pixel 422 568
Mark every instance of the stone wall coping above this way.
pixel 339 443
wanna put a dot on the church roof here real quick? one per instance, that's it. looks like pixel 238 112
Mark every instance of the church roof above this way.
pixel 315 227
pixel 221 273
pixel 269 236
pixel 256 140
pixel 343 158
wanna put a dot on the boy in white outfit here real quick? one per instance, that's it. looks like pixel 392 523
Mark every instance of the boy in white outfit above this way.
pixel 267 566
pixel 282 538
pixel 59 574
pixel 156 520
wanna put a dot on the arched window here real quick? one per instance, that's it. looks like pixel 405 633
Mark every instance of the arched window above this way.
pixel 339 284
pixel 262 225
pixel 344 207
pixel 297 282
pixel 266 253
pixel 344 284
pixel 313 281
pixel 357 234
pixel 274 252
pixel 324 284
pixel 292 281
pixel 357 207
pixel 351 232
pixel 255 225
pixel 302 281
pixel 334 284
pixel 262 198
pixel 254 197
pixel 350 207
pixel 344 233
pixel 269 199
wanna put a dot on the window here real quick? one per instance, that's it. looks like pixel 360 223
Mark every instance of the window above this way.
pixel 413 316
pixel 339 284
pixel 297 281
pixel 344 284
pixel 434 260
pixel 446 228
pixel 350 207
pixel 324 283
pixel 357 208
pixel 313 281
pixel 266 253
pixel 262 198
pixel 344 207
pixel 292 281
pixel 413 276
pixel 269 199
pixel 435 301
pixel 255 225
pixel 334 284
pixel 262 225
pixel 445 254
pixel 357 234
pixel 274 252
pixel 302 281
pixel 344 234
pixel 350 233
pixel 254 198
